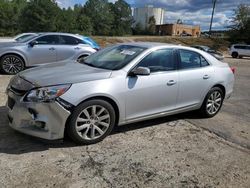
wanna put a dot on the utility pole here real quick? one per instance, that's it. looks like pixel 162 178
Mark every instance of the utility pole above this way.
pixel 212 17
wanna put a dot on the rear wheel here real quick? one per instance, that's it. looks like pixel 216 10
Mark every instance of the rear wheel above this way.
pixel 91 122
pixel 212 103
pixel 11 64
pixel 234 54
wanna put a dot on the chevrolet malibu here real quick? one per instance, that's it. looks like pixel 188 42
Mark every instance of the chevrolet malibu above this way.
pixel 118 85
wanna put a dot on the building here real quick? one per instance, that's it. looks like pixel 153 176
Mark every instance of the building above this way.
pixel 178 29
pixel 142 15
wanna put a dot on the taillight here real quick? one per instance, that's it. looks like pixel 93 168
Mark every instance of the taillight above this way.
pixel 233 69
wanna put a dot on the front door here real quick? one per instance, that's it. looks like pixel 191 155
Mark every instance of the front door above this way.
pixel 155 93
pixel 44 51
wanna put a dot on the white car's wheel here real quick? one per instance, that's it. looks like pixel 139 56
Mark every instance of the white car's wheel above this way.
pixel 11 64
pixel 213 102
pixel 91 122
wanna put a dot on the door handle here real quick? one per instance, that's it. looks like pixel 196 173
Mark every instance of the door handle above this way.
pixel 205 77
pixel 51 48
pixel 77 48
pixel 171 82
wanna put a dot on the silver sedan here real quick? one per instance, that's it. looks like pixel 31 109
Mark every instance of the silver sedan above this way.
pixel 41 48
pixel 118 85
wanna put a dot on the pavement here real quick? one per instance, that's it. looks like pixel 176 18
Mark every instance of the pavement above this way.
pixel 175 151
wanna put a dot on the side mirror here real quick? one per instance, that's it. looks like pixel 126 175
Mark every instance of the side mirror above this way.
pixel 144 71
pixel 33 43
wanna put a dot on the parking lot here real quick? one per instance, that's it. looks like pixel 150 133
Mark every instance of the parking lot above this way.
pixel 175 151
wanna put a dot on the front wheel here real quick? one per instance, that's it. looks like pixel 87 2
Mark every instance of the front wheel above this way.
pixel 234 54
pixel 212 103
pixel 11 64
pixel 91 122
pixel 82 58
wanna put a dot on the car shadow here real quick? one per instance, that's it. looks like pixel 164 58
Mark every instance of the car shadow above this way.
pixel 13 142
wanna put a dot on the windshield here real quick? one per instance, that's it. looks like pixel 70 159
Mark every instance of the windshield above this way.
pixel 26 39
pixel 90 41
pixel 115 57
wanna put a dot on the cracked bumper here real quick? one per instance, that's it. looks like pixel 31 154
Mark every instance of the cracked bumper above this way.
pixel 43 120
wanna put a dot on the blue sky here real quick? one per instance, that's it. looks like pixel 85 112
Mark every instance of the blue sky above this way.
pixel 190 11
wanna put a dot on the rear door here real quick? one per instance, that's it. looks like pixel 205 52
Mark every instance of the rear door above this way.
pixel 157 92
pixel 195 78
pixel 44 51
pixel 68 47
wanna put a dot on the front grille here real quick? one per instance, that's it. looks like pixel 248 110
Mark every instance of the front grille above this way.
pixel 11 103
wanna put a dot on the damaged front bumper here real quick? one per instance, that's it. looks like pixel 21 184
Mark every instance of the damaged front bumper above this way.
pixel 43 120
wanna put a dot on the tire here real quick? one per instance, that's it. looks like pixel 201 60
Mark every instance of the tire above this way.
pixel 81 58
pixel 91 122
pixel 211 104
pixel 235 54
pixel 11 64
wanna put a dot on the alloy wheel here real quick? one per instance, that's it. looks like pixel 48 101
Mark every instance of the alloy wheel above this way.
pixel 92 122
pixel 214 102
pixel 12 64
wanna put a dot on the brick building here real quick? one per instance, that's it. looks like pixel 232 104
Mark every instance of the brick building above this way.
pixel 178 29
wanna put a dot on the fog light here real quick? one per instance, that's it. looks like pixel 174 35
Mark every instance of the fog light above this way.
pixel 41 125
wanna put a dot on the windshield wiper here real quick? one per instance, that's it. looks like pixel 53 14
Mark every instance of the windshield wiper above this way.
pixel 89 64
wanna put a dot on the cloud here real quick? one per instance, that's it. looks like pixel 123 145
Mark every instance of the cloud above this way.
pixel 190 11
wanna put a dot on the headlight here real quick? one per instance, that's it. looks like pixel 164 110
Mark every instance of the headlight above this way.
pixel 46 94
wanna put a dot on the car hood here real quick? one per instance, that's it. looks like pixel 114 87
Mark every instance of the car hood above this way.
pixel 63 73
pixel 10 44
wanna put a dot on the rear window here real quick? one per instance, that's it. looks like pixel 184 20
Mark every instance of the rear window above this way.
pixel 240 47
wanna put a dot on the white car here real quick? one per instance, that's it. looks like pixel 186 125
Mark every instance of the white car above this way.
pixel 239 50
pixel 17 38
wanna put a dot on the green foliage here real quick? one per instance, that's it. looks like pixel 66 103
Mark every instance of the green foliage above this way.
pixel 122 18
pixel 96 17
pixel 240 28
pixel 39 16
pixel 151 25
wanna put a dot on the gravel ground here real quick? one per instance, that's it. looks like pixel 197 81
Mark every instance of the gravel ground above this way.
pixel 175 151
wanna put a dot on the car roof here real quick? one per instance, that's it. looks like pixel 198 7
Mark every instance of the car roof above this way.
pixel 59 33
pixel 147 44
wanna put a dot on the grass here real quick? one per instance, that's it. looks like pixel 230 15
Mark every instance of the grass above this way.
pixel 217 43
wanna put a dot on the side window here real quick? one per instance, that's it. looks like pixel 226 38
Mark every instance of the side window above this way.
pixel 190 59
pixel 240 47
pixel 68 40
pixel 48 39
pixel 159 60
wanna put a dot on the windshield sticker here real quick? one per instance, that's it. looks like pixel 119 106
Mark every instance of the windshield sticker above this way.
pixel 127 52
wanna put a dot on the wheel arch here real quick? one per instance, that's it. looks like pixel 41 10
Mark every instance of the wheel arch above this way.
pixel 109 100
pixel 222 88
pixel 17 54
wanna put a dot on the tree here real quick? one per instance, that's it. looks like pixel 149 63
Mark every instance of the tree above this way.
pixel 151 25
pixel 240 27
pixel 122 18
pixel 101 16
pixel 9 15
pixel 179 21
pixel 39 16
pixel 138 29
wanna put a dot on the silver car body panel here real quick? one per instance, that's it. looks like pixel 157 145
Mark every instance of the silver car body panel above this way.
pixel 46 53
pixel 137 98
pixel 44 120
